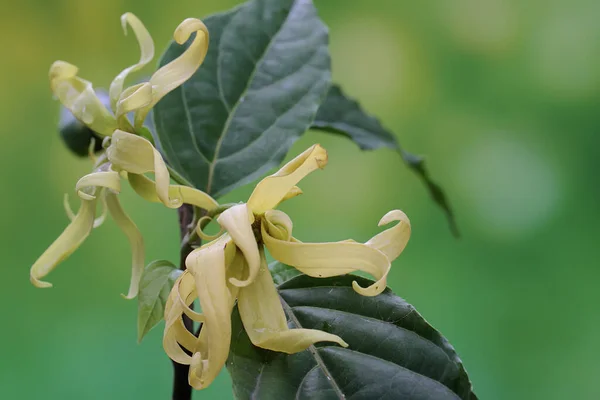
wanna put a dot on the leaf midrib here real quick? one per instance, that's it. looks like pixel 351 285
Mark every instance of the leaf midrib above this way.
pixel 211 167
pixel 314 352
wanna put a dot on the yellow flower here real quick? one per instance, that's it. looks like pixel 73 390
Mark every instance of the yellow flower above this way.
pixel 234 267
pixel 128 153
pixel 79 97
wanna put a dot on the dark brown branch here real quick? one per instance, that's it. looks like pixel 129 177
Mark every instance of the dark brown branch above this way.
pixel 181 388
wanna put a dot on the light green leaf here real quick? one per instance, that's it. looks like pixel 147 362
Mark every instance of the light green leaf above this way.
pixel 393 352
pixel 343 115
pixel 261 84
pixel 155 285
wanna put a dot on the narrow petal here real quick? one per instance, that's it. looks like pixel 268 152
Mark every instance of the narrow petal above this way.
pixel 68 241
pixel 392 241
pixel 273 189
pixel 136 241
pixel 329 259
pixel 208 267
pixel 147 54
pixel 136 155
pixel 146 188
pixel 88 188
pixel 238 220
pixel 79 97
pixel 265 322
pixel 182 68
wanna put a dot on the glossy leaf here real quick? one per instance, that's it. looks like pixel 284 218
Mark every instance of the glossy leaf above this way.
pixel 393 352
pixel 155 285
pixel 266 72
pixel 343 115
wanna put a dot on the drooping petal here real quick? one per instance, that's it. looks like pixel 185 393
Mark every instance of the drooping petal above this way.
pixel 392 241
pixel 68 241
pixel 88 188
pixel 328 259
pixel 147 54
pixel 265 322
pixel 208 267
pixel 176 335
pixel 136 155
pixel 179 70
pixel 235 269
pixel 273 189
pixel 238 220
pixel 136 241
pixel 146 188
pixel 98 221
pixel 79 97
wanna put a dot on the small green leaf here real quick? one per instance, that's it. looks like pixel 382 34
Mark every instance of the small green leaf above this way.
pixel 282 273
pixel 261 84
pixel 393 352
pixel 343 115
pixel 155 285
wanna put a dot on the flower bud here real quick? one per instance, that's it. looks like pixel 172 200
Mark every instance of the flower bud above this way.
pixel 75 134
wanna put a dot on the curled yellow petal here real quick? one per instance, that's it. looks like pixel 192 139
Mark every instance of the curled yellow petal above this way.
pixel 179 70
pixel 176 335
pixel 279 225
pixel 201 234
pixel 328 259
pixel 68 241
pixel 146 188
pixel 136 241
pixel 265 322
pixel 136 155
pixel 208 267
pixel 273 189
pixel 147 54
pixel 392 241
pixel 78 96
pixel 237 221
pixel 106 179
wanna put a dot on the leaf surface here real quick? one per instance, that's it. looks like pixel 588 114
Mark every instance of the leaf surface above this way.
pixel 266 72
pixel 155 285
pixel 393 352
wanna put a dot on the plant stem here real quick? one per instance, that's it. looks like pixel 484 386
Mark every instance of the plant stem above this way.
pixel 181 388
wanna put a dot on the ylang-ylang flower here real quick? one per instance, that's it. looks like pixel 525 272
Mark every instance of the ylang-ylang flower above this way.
pixel 230 269
pixel 128 154
pixel 233 268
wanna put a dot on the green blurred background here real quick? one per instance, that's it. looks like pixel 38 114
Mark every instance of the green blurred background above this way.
pixel 501 95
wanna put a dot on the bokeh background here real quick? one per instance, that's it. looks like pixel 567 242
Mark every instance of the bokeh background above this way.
pixel 503 98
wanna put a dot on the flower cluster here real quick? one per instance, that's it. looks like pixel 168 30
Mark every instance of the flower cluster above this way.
pixel 232 268
pixel 130 154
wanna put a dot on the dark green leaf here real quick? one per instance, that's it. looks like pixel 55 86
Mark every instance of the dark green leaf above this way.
pixel 282 273
pixel 393 352
pixel 266 72
pixel 155 285
pixel 343 115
